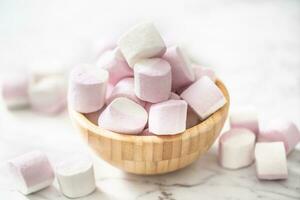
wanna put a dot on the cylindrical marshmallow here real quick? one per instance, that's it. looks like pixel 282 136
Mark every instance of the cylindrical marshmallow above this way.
pixel 123 115
pixel 236 148
pixel 204 97
pixel 115 64
pixel 31 172
pixel 152 80
pixel 87 88
pixel 168 117
pixel 182 71
pixel 140 42
pixel 76 177
pixel 124 88
pixel 173 96
pixel 204 71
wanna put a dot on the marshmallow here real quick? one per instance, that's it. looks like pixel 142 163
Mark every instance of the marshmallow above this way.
pixel 115 64
pixel 48 95
pixel 182 71
pixel 76 177
pixel 204 71
pixel 284 131
pixel 140 42
pixel 152 80
pixel 87 88
pixel 192 118
pixel 15 90
pixel 245 118
pixel 168 117
pixel 173 96
pixel 94 116
pixel 124 88
pixel 31 172
pixel 271 161
pixel 236 148
pixel 123 115
pixel 204 97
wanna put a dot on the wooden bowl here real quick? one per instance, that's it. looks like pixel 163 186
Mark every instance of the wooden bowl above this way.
pixel 153 154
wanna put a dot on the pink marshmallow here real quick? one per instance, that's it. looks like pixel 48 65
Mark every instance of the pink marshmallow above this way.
pixel 123 115
pixel 115 64
pixel 236 148
pixel 94 116
pixel 204 71
pixel 284 131
pixel 173 96
pixel 31 172
pixel 152 80
pixel 204 97
pixel 125 88
pixel 168 117
pixel 192 118
pixel 87 88
pixel 182 72
pixel 270 161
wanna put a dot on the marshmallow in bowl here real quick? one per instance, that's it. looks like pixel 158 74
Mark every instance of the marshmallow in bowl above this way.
pixel 152 80
pixel 173 96
pixel 204 71
pixel 236 148
pixel 140 42
pixel 31 172
pixel 192 119
pixel 270 161
pixel 204 97
pixel 87 88
pixel 168 117
pixel 123 115
pixel 117 67
pixel 146 132
pixel 181 67
pixel 76 177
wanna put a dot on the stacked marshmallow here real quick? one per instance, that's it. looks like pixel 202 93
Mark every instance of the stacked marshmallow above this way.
pixel 148 88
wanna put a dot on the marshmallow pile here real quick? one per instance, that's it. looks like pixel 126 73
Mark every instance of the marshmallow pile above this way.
pixel 143 87
pixel 33 172
pixel 266 143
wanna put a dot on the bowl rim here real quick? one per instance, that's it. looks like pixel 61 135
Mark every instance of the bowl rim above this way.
pixel 97 130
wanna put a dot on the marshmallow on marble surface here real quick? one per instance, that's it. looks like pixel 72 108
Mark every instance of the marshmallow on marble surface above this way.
pixel 236 148
pixel 31 172
pixel 168 117
pixel 76 177
pixel 124 88
pixel 280 130
pixel 245 117
pixel 123 115
pixel 182 71
pixel 152 80
pixel 117 67
pixel 140 42
pixel 87 88
pixel 270 161
pixel 204 97
pixel 204 71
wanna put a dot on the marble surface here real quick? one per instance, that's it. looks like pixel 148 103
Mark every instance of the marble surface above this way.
pixel 254 46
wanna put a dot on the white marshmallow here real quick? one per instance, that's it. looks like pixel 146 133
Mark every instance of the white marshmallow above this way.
pixel 31 172
pixel 173 96
pixel 152 80
pixel 271 161
pixel 76 177
pixel 236 148
pixel 123 115
pixel 140 42
pixel 204 97
pixel 168 117
pixel 87 88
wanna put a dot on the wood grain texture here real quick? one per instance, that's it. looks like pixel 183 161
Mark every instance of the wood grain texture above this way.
pixel 153 154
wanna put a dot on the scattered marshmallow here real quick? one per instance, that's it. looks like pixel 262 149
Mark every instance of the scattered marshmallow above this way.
pixel 271 161
pixel 168 117
pixel 236 148
pixel 123 115
pixel 182 71
pixel 31 172
pixel 87 88
pixel 204 71
pixel 192 118
pixel 124 88
pixel 278 130
pixel 114 62
pixel 152 80
pixel 140 42
pixel 204 97
pixel 76 177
